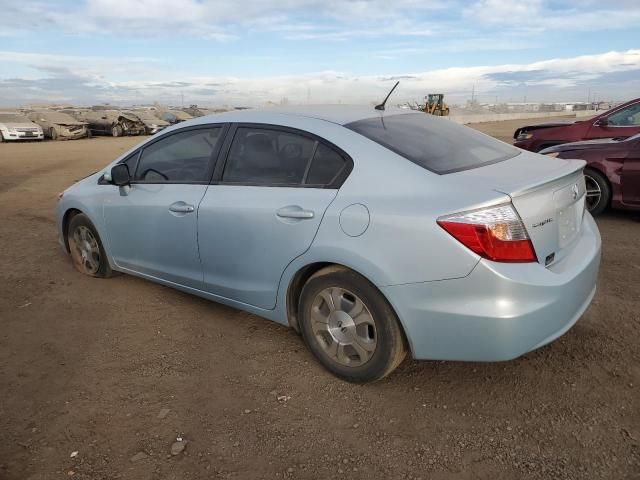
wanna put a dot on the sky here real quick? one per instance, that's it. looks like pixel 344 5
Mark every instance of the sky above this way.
pixel 245 53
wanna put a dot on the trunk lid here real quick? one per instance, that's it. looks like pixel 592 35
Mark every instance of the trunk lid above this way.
pixel 548 194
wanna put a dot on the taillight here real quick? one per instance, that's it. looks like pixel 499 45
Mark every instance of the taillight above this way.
pixel 495 233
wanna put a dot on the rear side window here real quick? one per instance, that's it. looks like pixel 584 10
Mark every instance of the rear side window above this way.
pixel 436 144
pixel 326 166
pixel 273 157
pixel 183 157
pixel 261 156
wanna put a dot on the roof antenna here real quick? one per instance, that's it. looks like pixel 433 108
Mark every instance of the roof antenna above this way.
pixel 381 106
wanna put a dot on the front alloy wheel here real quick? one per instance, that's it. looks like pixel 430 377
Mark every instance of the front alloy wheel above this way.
pixel 85 251
pixel 85 247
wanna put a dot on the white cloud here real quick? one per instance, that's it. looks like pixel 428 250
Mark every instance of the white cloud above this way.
pixel 90 80
pixel 314 19
pixel 544 15
pixel 220 19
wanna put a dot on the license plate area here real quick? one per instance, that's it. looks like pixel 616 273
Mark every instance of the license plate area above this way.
pixel 569 202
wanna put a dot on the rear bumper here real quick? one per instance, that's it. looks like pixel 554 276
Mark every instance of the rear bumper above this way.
pixel 499 311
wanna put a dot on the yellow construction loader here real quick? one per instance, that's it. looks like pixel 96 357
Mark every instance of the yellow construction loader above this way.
pixel 435 105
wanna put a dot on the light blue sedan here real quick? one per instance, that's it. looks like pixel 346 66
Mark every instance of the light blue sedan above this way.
pixel 372 233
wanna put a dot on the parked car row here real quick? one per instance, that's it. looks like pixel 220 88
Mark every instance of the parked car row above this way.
pixel 609 143
pixel 69 123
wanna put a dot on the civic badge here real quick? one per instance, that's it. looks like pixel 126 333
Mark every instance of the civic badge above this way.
pixel 575 191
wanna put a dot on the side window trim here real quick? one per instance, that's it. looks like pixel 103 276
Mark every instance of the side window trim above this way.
pixel 212 159
pixel 225 149
pixel 135 154
pixel 309 163
pixel 134 157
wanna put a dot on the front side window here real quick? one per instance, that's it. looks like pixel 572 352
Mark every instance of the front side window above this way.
pixel 436 144
pixel 183 157
pixel 627 117
pixel 261 156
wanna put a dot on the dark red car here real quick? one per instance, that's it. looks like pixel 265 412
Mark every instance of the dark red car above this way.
pixel 619 122
pixel 612 173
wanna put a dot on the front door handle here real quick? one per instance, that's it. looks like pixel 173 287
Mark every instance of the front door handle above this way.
pixel 294 211
pixel 181 207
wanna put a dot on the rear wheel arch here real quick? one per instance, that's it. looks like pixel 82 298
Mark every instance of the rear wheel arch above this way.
pixel 306 273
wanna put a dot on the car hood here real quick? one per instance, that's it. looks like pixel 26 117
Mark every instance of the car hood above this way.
pixel 584 145
pixel 559 123
pixel 19 125
pixel 540 126
pixel 158 123
pixel 71 124
pixel 129 116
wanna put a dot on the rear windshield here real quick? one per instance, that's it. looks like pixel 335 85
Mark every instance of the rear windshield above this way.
pixel 436 144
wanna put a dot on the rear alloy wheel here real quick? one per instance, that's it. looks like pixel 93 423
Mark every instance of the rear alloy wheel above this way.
pixel 350 327
pixel 116 131
pixel 53 133
pixel 85 247
pixel 598 193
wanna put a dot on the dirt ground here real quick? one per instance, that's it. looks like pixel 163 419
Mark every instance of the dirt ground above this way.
pixel 117 369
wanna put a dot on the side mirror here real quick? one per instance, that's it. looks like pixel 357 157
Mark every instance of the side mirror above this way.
pixel 120 175
pixel 603 122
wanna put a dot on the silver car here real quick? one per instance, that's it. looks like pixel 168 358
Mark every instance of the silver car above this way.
pixel 371 233
pixel 16 126
pixel 59 125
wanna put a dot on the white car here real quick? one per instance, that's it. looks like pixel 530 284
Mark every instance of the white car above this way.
pixel 15 126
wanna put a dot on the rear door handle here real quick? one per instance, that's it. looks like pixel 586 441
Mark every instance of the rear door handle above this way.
pixel 181 207
pixel 294 211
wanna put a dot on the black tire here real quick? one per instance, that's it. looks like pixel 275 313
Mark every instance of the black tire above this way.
pixel 2 140
pixel 116 131
pixel 390 348
pixel 78 225
pixel 53 133
pixel 595 180
pixel 89 134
